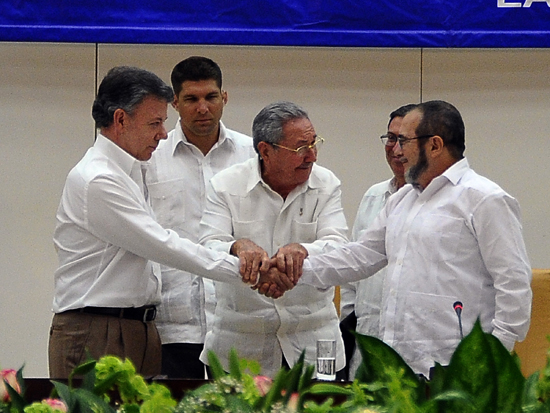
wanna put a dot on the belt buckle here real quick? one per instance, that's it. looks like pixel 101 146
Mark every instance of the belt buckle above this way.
pixel 153 310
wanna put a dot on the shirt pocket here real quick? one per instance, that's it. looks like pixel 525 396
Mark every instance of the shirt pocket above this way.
pixel 430 317
pixel 443 236
pixel 168 203
pixel 303 232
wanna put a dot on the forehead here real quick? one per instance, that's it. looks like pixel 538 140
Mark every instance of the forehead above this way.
pixel 395 124
pixel 199 87
pixel 297 130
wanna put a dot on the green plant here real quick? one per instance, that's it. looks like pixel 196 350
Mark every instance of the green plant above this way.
pixel 482 377
pixel 243 390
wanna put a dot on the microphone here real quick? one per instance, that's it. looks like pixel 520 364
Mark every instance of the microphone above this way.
pixel 458 310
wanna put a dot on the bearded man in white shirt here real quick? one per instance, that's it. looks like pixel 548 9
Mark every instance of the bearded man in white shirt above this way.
pixel 360 302
pixel 280 204
pixel 108 241
pixel 448 235
pixel 196 149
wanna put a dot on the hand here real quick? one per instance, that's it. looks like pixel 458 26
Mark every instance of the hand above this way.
pixel 289 260
pixel 273 283
pixel 253 259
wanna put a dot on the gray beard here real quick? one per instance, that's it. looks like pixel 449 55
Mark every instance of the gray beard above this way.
pixel 414 172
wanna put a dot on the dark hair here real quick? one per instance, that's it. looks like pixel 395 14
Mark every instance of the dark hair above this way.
pixel 401 112
pixel 125 88
pixel 268 124
pixel 443 119
pixel 195 68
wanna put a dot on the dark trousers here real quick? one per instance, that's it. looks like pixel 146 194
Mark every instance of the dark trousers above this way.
pixel 72 334
pixel 181 361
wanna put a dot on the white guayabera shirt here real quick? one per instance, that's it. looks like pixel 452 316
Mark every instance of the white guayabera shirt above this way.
pixel 458 240
pixel 106 238
pixel 241 205
pixel 177 180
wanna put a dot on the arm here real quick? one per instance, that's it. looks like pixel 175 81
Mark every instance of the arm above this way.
pixel 117 215
pixel 496 222
pixel 350 262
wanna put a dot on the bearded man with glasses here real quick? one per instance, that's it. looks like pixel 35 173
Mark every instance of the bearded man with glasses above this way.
pixel 275 209
pixel 448 235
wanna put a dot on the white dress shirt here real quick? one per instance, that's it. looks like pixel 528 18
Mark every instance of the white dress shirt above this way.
pixel 460 239
pixel 241 205
pixel 177 179
pixel 365 296
pixel 106 237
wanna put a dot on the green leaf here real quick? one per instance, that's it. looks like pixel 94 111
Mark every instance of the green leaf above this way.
pixel 18 403
pixel 510 380
pixel 236 404
pixel 215 365
pixel 472 370
pixel 530 402
pixel 274 393
pixel 104 385
pixel 328 388
pixel 87 402
pixel 293 378
pixel 380 361
pixel 234 364
pixel 437 380
pixel 306 378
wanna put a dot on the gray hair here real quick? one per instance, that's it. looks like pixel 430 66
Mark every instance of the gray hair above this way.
pixel 125 87
pixel 268 124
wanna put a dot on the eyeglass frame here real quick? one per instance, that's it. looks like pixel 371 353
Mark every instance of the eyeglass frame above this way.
pixel 303 148
pixel 390 139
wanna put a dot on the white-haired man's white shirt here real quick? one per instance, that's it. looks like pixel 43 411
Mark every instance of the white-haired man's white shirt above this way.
pixel 241 205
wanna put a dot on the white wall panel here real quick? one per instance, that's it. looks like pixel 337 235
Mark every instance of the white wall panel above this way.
pixel 46 93
pixel 504 98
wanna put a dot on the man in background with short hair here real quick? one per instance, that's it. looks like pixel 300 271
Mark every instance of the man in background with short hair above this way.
pixel 361 301
pixel 196 149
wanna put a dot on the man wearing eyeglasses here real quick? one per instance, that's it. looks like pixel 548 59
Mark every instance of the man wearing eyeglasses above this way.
pixel 449 235
pixel 360 302
pixel 279 207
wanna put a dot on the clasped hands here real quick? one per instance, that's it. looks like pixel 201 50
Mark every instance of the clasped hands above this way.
pixel 278 274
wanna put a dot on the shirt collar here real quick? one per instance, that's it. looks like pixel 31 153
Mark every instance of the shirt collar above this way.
pixel 392 186
pixel 116 154
pixel 179 138
pixel 456 171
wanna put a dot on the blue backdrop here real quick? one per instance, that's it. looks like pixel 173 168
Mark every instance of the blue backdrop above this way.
pixel 358 23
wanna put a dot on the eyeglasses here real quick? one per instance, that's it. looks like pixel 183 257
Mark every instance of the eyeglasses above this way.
pixel 302 150
pixel 389 139
pixel 403 139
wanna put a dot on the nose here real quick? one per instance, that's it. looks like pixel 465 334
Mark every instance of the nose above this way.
pixel 202 106
pixel 311 155
pixel 163 134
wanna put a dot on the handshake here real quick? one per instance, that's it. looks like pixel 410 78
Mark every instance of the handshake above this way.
pixel 277 274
